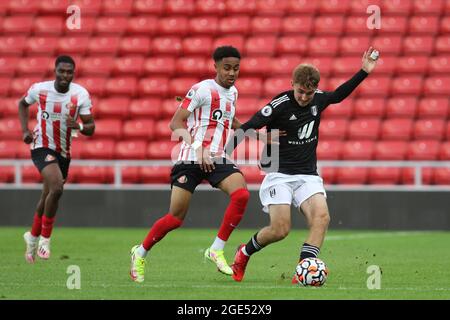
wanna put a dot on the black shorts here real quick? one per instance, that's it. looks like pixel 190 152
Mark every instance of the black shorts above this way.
pixel 42 157
pixel 189 175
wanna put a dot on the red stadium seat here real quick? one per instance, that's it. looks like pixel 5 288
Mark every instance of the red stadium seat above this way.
pixel 444 152
pixel 192 66
pixel 20 86
pixel 328 175
pixel 93 175
pixel 369 107
pixel 327 25
pixel 273 86
pixel 439 64
pixel 261 45
pixel 35 65
pixel 411 85
pixel 157 86
pixel 48 25
pixel 329 149
pixel 302 7
pixel 375 86
pixel 178 7
pixel 210 7
pixel 364 129
pixel 73 45
pixel 271 7
pixel 265 24
pixel 358 150
pixel 401 107
pixel 155 174
pixel 201 45
pixel 145 108
pixel 333 128
pixel 429 129
pixel 357 24
pixel 353 45
pixel 139 129
pixel 258 66
pixel 169 45
pixel 345 66
pixel 6 174
pixel 247 7
pixel 98 149
pixel 130 175
pixel 295 45
pixel 283 65
pixel 42 45
pixel 394 24
pixel 21 7
pixel 135 45
pixel 160 65
pixel 141 25
pixel 8 65
pixel 351 175
pixel 168 108
pixel 418 45
pixel 108 129
pixel 408 175
pixel 96 66
pixel 8 148
pixel 103 45
pixel 162 130
pixel 235 24
pixel 291 25
pixel 333 83
pixel 326 45
pixel 88 26
pixel 428 7
pixel 433 108
pixel 133 149
pixel 121 86
pixel 252 174
pixel 334 7
pixel 324 64
pixel 445 25
pixel 251 86
pixel 128 65
pixel 236 41
pixel 397 129
pixel 391 44
pixel 441 176
pixel 396 7
pixel 205 25
pixel 448 131
pixel 117 7
pixel 95 85
pixel 181 86
pixel 113 108
pixel 148 6
pixel 412 64
pixel 161 150
pixel 343 109
pixel 360 6
pixel 18 25
pixel 384 175
pixel 88 7
pixel 386 65
pixel 30 174
pixel 13 44
pixel 423 150
pixel 390 150
pixel 423 25
pixel 437 85
pixel 172 25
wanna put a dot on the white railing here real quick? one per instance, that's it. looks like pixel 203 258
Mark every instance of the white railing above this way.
pixel 119 164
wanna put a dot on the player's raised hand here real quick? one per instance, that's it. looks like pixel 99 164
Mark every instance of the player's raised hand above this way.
pixel 27 137
pixel 369 60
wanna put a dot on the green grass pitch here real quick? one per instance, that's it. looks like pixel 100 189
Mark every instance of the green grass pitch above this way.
pixel 414 265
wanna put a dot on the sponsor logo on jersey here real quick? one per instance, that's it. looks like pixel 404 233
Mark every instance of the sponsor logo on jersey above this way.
pixel 304 132
pixel 293 117
pixel 220 116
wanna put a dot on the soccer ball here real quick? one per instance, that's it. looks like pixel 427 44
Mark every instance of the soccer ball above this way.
pixel 311 272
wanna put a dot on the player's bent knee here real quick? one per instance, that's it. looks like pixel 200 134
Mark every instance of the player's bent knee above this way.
pixel 240 197
pixel 56 189
pixel 281 231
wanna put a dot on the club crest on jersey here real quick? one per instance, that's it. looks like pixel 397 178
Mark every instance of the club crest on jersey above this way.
pixel 314 110
pixel 182 179
pixel 266 111
pixel 49 158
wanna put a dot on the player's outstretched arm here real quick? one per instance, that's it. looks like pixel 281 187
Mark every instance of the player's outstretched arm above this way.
pixel 27 136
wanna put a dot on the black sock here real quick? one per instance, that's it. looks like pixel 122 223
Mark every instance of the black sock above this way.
pixel 309 251
pixel 253 246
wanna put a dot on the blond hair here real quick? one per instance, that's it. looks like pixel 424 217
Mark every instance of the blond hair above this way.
pixel 306 75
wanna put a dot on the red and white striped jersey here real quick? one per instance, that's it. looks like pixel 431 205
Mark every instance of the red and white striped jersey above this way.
pixel 212 110
pixel 53 108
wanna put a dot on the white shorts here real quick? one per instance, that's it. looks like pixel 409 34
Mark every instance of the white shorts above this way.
pixel 280 188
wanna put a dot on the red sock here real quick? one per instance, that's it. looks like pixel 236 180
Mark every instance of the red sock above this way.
pixel 47 226
pixel 234 213
pixel 159 229
pixel 37 225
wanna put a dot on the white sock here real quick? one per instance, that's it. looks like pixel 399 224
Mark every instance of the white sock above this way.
pixel 245 251
pixel 33 238
pixel 218 244
pixel 141 251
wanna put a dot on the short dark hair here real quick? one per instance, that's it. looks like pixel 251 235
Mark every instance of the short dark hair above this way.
pixel 64 59
pixel 225 52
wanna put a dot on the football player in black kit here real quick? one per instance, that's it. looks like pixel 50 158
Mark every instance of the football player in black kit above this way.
pixel 295 180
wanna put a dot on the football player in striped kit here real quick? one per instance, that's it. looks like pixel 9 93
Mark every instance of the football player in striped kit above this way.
pixel 203 119
pixel 60 103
